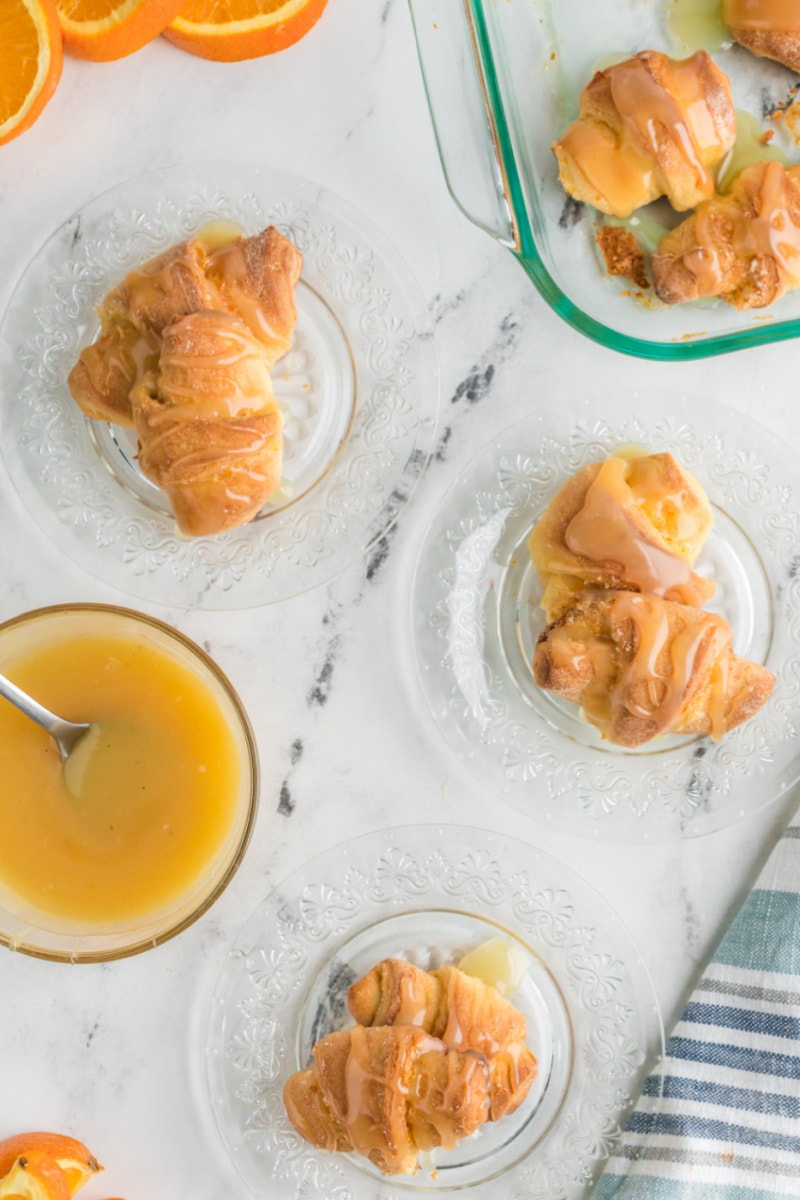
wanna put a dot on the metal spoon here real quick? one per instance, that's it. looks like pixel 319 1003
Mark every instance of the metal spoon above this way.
pixel 66 734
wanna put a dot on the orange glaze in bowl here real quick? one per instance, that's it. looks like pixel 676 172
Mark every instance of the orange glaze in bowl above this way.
pixel 154 809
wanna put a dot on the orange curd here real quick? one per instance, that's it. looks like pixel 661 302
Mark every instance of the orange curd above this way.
pixel 156 796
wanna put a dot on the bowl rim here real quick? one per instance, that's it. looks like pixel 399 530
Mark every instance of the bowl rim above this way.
pixel 140 944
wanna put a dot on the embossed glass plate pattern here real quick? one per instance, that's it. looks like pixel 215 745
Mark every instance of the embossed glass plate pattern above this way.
pixel 476 619
pixel 428 893
pixel 359 389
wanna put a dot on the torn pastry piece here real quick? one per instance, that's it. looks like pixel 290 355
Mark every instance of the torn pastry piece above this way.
pixel 388 1093
pixel 768 28
pixel 640 666
pixel 465 1012
pixel 633 521
pixel 208 423
pixel 253 278
pixel 622 254
pixel 647 127
pixel 743 247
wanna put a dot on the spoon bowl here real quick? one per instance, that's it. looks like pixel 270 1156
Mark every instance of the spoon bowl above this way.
pixel 66 734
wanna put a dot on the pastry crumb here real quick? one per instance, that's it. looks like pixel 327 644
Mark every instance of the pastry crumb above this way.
pixel 622 254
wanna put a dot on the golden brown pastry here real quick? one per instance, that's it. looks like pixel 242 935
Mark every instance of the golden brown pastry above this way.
pixel 622 254
pixel 632 521
pixel 132 318
pixel 743 246
pixel 640 666
pixel 253 278
pixel 208 423
pixel 650 126
pixel 388 1093
pixel 768 28
pixel 465 1012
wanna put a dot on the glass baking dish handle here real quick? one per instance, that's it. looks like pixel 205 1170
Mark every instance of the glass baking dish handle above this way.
pixel 462 122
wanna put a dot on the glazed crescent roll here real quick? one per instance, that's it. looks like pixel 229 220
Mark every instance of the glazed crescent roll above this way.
pixel 633 521
pixel 388 1093
pixel 650 126
pixel 252 278
pixel 640 666
pixel 768 28
pixel 208 423
pixel 743 247
pixel 465 1012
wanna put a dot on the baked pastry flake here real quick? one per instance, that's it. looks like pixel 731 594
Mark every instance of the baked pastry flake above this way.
pixel 648 127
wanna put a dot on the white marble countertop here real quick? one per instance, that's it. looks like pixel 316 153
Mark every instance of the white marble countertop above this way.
pixel 112 1053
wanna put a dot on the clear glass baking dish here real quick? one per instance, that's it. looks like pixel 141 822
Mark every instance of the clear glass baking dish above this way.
pixel 503 79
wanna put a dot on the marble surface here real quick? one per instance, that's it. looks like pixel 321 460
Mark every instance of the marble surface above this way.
pixel 113 1053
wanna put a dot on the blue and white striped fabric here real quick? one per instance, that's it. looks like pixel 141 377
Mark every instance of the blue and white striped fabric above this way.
pixel 725 1125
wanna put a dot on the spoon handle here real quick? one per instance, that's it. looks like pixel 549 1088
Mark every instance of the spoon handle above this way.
pixel 31 708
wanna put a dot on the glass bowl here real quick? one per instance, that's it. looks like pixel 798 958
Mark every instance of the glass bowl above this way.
pixel 26 924
pixel 428 893
pixel 503 81
pixel 476 619
pixel 359 390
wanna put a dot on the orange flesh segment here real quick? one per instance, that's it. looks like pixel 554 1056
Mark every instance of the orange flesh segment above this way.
pixel 19 57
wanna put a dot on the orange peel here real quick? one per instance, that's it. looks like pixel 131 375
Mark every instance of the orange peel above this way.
pixel 104 30
pixel 51 1160
pixel 233 30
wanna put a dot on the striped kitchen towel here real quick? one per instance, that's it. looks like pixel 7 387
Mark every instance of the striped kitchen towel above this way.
pixel 724 1121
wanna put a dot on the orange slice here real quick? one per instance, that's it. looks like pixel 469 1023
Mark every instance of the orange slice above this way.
pixel 230 30
pixel 42 1151
pixel 102 30
pixel 30 62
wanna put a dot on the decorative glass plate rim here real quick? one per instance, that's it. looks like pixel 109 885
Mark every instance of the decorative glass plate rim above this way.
pixel 524 763
pixel 372 478
pixel 286 938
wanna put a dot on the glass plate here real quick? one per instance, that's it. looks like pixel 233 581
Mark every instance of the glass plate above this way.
pixel 359 389
pixel 428 894
pixel 476 619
